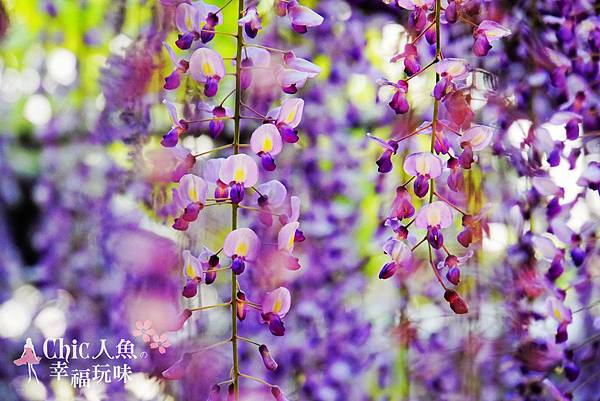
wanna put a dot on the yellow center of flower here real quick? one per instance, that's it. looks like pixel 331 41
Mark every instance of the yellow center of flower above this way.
pixel 434 216
pixel 240 174
pixel 241 249
pixel 268 144
pixel 290 117
pixel 557 314
pixel 277 305
pixel 207 69
pixel 190 271
pixel 193 194
pixel 421 165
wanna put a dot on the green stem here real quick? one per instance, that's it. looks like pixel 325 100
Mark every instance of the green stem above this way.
pixel 436 103
pixel 234 208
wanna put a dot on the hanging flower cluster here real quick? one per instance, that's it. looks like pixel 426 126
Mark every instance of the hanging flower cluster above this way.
pixel 229 180
pixel 437 173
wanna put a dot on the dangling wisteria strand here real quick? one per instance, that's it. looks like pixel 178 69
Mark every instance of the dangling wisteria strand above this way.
pixel 327 300
pixel 232 176
pixel 549 136
pixel 455 121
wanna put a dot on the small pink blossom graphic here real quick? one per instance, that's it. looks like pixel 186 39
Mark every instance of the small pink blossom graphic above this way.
pixel 161 342
pixel 144 329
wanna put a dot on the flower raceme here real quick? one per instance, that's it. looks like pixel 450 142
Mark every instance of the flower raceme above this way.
pixel 229 176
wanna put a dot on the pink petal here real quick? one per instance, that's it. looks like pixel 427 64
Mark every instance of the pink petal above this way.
pixel 211 168
pixel 301 64
pixel 457 68
pixel 291 112
pixel 206 63
pixel 399 251
pixel 266 138
pixel 277 301
pixel 492 30
pixel 172 111
pixel 192 267
pixel 188 17
pixel 192 189
pixel 285 238
pixel 260 57
pixel 288 77
pixel 242 242
pixel 172 55
pixel 436 213
pixel 479 136
pixel 423 163
pixel 304 16
pixel 239 168
pixel 275 191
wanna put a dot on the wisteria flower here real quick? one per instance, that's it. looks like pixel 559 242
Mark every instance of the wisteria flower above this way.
pixel 238 172
pixel 191 196
pixel 453 263
pixel 207 67
pixel 451 70
pixel 251 22
pixel 562 315
pixel 287 118
pixel 178 369
pixel 401 256
pixel 144 329
pixel 253 57
pixel 424 166
pixel 192 270
pixel 161 342
pixel 286 239
pixel 272 197
pixel 302 17
pixel 402 207
pixel 210 263
pixel 399 103
pixel 187 19
pixel 434 217
pixel 418 16
pixel 384 163
pixel 590 177
pixel 275 306
pixel 212 19
pixel 178 128
pixel 570 121
pixel 299 64
pixel 487 32
pixel 180 67
pixel 266 142
pixel 241 245
pixel 411 59
pixel 476 138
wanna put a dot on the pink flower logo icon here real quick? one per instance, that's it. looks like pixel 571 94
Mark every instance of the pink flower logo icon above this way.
pixel 144 329
pixel 161 342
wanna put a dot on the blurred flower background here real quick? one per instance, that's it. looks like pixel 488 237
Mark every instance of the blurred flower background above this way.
pixel 88 252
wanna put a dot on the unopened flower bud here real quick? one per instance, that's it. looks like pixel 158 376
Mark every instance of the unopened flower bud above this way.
pixel 267 359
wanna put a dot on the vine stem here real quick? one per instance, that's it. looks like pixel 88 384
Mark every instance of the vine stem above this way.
pixel 234 208
pixel 436 103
